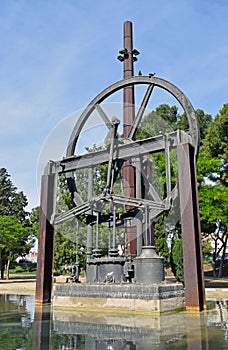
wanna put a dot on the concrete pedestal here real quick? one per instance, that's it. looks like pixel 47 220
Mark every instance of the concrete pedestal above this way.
pixel 120 298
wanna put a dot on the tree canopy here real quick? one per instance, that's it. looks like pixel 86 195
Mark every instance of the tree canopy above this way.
pixel 213 184
pixel 15 227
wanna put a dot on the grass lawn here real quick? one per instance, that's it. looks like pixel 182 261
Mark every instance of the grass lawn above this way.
pixel 22 268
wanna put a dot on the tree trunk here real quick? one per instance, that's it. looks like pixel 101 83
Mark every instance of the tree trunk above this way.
pixel 2 265
pixel 214 270
pixel 223 256
pixel 7 269
pixel 220 268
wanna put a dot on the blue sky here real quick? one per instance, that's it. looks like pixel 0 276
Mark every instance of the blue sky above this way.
pixel 56 55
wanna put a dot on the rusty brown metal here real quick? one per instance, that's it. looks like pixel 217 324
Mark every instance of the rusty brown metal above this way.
pixel 45 242
pixel 190 222
pixel 128 72
pixel 129 113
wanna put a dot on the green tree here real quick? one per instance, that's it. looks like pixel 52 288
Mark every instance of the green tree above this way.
pixel 34 220
pixel 6 191
pixel 217 143
pixel 13 240
pixel 11 201
pixel 162 119
pixel 15 225
pixel 204 121
pixel 213 201
pixel 213 189
pixel 176 256
pixel 160 235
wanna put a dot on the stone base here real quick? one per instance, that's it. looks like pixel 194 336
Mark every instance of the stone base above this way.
pixel 120 298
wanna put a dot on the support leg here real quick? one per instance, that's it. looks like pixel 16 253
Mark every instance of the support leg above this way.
pixel 191 231
pixel 45 241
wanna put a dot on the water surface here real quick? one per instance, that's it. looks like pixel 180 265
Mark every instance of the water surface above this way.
pixel 22 327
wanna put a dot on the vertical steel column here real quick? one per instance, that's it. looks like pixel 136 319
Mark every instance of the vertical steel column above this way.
pixel 190 223
pixel 129 113
pixel 45 259
pixel 138 191
pixel 90 227
pixel 128 72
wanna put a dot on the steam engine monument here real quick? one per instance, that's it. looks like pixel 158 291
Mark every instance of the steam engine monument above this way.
pixel 135 280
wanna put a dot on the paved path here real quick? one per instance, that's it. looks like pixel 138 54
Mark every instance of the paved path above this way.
pixel 18 284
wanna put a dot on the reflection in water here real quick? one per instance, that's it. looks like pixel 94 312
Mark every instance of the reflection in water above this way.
pixel 42 328
pixel 23 328
pixel 16 316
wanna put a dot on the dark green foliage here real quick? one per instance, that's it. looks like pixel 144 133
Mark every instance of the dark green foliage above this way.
pixel 207 250
pixel 34 220
pixel 176 256
pixel 64 252
pixel 14 241
pixel 160 235
pixel 214 204
pixel 213 195
pixel 203 119
pixel 12 203
pixel 160 120
pixel 16 232
pixel 216 144
pixel 23 267
pixel 64 199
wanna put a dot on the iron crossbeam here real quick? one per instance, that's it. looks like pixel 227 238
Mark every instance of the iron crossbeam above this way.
pixel 123 151
pixel 116 199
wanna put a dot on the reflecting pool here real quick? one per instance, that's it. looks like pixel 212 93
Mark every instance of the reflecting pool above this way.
pixel 22 326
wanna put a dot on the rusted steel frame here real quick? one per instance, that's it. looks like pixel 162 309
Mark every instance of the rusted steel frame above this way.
pixel 45 259
pixel 128 105
pixel 190 223
pixel 128 72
